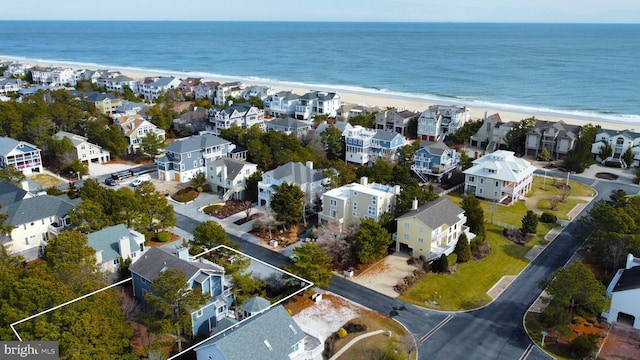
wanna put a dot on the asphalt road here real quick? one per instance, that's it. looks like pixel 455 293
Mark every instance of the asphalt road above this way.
pixel 495 331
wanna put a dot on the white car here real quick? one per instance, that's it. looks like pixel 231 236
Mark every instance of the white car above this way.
pixel 140 179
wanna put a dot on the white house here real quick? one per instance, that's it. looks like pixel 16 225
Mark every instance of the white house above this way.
pixel 152 89
pixel 230 89
pixel 317 103
pixel 282 103
pixel 85 151
pixel 310 181
pixel 358 200
pixel 499 176
pixel 439 121
pixel 620 141
pixel 206 90
pixel 21 155
pixel 243 115
pixel 10 86
pixel 229 177
pixel 114 244
pixel 624 291
pixel 259 91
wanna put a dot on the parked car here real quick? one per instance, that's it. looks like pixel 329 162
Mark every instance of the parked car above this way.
pixel 111 181
pixel 140 179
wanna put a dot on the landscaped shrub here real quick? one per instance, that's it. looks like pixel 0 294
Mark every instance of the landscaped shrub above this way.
pixel 614 164
pixel 342 333
pixel 185 195
pixel 548 218
pixel 163 236
pixel 206 187
pixel 53 190
pixel 354 327
pixel 209 210
pixel 452 259
pixel 584 345
pixel 199 189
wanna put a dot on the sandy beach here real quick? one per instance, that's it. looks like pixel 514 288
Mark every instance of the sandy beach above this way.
pixel 375 98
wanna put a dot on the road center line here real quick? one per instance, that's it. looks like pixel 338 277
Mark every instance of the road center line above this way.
pixel 433 331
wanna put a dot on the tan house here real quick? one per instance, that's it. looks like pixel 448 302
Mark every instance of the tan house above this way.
pixel 432 229
pixel 229 177
pixel 85 151
pixel 355 201
pixel 395 120
pixel 106 103
pixel 134 128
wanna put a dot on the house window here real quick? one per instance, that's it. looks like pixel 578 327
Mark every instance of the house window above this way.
pixel 333 213
pixel 116 261
pixel 421 229
pixel 406 236
pixel 480 192
pixel 374 199
pixel 355 206
pixel 497 183
pixel 472 178
pixel 481 181
pixel 141 247
pixel 189 155
pixel 195 163
pixel 333 202
pixel 295 346
pixel 420 240
pixel 406 225
pixel 199 313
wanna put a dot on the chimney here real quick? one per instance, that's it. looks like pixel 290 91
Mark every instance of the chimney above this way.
pixel 24 184
pixel 414 204
pixel 183 253
pixel 125 247
pixel 364 180
pixel 310 164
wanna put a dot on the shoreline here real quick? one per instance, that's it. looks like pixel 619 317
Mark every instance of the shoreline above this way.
pixel 371 97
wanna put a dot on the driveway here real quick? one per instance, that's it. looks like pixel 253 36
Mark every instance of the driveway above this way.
pixel 385 274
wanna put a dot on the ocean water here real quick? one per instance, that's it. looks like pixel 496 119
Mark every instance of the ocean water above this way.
pixel 582 70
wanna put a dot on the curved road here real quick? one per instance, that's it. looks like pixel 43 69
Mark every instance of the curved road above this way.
pixel 492 332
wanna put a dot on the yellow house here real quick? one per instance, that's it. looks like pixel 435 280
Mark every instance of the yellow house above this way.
pixel 432 229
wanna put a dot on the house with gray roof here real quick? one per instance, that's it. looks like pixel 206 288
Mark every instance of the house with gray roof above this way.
pixel 492 134
pixel 225 90
pixel 433 160
pixel 21 155
pixel 316 103
pixel 254 306
pixel 395 120
pixel 259 91
pixel 206 90
pixel 10 86
pixel 114 244
pixel 188 156
pixel 85 151
pixel 201 275
pixel 243 115
pixel 106 103
pixel 289 125
pixel 153 87
pixel 310 181
pixel 35 219
pixel 499 176
pixel 556 136
pixel 432 229
pixel 272 335
pixel 439 121
pixel 363 145
pixel 119 83
pixel 624 292
pixel 280 104
pixel 620 141
pixel 228 177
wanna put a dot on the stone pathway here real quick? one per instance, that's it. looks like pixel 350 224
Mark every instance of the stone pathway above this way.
pixel 353 341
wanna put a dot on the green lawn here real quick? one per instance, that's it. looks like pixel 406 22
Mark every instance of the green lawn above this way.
pixel 562 209
pixel 541 186
pixel 467 287
pixel 46 180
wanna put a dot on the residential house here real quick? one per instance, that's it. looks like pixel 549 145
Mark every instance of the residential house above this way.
pixel 395 120
pixel 316 103
pixel 385 144
pixel 358 200
pixel 620 141
pixel 129 108
pixel 358 144
pixel 118 83
pixel 259 91
pixel 34 218
pixel 206 90
pixel 433 160
pixel 91 75
pixel 500 177
pixel 135 128
pixel 105 75
pixel 255 306
pixel 348 111
pixel 242 115
pixel 280 104
pixel 439 121
pixel 433 229
pixel 10 86
pixel 53 76
pixel 16 69
pixel 188 86
pixel 201 275
pixel 106 103
pixel 188 156
pixel 624 292
pixel 289 125
pixel 226 90
pixel 229 177
pixel 310 181
pixel 151 88
pixel 21 155
pixel 556 136
pixel 85 151
pixel 492 134
pixel 192 122
pixel 272 334
pixel 341 125
pixel 114 244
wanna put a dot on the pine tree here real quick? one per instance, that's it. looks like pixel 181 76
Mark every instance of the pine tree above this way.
pixel 463 249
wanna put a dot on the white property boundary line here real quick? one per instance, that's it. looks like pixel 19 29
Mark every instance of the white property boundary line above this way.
pixel 309 285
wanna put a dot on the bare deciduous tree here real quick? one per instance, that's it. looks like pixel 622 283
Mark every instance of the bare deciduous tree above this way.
pixel 554 201
pixel 247 205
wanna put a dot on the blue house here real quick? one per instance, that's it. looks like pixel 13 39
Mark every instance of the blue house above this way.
pixel 433 160
pixel 385 144
pixel 201 275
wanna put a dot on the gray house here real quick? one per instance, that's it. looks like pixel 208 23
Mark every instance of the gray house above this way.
pixel 114 243
pixel 289 125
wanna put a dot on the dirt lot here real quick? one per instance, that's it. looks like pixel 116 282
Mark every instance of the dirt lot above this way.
pixel 622 343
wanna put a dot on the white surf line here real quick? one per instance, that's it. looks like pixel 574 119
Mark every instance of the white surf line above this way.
pixel 527 352
pixel 435 329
